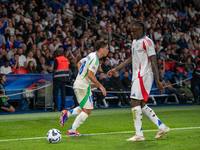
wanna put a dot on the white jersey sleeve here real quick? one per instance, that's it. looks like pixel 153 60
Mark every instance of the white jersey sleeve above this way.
pixel 149 46
pixel 94 64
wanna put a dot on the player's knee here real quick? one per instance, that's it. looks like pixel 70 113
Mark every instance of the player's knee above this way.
pixel 143 103
pixel 87 111
pixel 135 103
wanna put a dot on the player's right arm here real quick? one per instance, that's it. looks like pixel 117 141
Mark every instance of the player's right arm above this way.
pixel 126 63
pixel 92 78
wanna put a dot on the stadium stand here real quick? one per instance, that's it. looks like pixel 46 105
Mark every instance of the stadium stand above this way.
pixel 49 24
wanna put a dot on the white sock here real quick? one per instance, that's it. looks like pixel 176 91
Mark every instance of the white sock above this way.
pixel 74 111
pixel 147 111
pixel 78 121
pixel 137 119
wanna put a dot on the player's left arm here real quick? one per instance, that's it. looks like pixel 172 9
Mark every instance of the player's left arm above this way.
pixel 126 63
pixel 156 75
pixel 152 55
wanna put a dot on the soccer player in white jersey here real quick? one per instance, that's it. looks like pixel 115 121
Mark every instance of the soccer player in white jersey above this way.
pixel 87 69
pixel 142 59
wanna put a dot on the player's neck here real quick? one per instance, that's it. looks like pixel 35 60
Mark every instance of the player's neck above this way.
pixel 140 37
pixel 99 54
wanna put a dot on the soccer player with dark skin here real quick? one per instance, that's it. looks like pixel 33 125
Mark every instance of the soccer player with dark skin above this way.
pixel 142 51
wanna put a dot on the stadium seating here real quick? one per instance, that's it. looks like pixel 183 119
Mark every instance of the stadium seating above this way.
pixel 21 71
pixel 180 69
pixel 167 66
pixel 14 70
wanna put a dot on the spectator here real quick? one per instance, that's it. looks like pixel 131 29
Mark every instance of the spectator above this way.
pixel 173 55
pixel 116 85
pixel 165 82
pixel 182 43
pixel 6 69
pixel 196 42
pixel 48 57
pixel 22 58
pixel 19 41
pixel 105 66
pixel 37 56
pixel 3 57
pixel 160 64
pixel 30 58
pixel 31 67
pixel 9 43
pixel 12 52
pixel 187 36
pixel 186 83
pixel 4 98
pixel 50 15
pixel 14 62
pixel 126 81
pixel 99 95
pixel 43 41
pixel 177 80
pixel 42 67
pixel 189 67
pixel 176 35
pixel 123 69
pixel 190 45
pixel 54 46
pixel 2 40
pixel 10 27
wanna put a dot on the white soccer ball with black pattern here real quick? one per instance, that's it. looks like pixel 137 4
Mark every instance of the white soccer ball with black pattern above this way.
pixel 54 136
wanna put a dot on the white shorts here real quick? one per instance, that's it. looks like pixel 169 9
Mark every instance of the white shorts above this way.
pixel 84 98
pixel 141 87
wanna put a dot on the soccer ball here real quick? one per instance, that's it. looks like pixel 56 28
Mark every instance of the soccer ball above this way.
pixel 54 136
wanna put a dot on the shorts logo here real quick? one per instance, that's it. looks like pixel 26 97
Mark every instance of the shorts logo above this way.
pixel 133 95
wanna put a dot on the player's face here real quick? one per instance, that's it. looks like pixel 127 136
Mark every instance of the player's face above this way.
pixel 105 51
pixel 136 32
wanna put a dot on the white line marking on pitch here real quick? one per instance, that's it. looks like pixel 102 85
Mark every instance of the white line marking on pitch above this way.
pixel 35 138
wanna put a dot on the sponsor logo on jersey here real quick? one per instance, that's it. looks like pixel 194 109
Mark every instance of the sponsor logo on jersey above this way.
pixel 88 57
pixel 94 67
pixel 137 45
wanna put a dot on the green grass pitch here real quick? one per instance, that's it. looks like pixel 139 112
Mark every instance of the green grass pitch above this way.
pixel 112 123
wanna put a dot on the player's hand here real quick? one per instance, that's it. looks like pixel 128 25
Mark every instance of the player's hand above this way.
pixel 111 72
pixel 103 90
pixel 160 87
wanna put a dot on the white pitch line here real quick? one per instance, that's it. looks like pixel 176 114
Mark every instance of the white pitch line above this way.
pixel 35 138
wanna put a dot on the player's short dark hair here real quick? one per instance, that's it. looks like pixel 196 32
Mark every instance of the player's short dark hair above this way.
pixel 100 44
pixel 139 24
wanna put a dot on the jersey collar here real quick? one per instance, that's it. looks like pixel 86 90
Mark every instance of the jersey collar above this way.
pixel 97 55
pixel 142 37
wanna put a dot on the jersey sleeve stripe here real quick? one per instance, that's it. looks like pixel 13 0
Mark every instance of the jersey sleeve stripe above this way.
pixel 144 46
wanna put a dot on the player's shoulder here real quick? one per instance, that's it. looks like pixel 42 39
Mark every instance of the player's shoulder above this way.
pixel 91 56
pixel 148 41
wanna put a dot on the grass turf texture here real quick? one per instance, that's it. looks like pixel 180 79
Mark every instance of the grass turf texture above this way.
pixel 102 121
